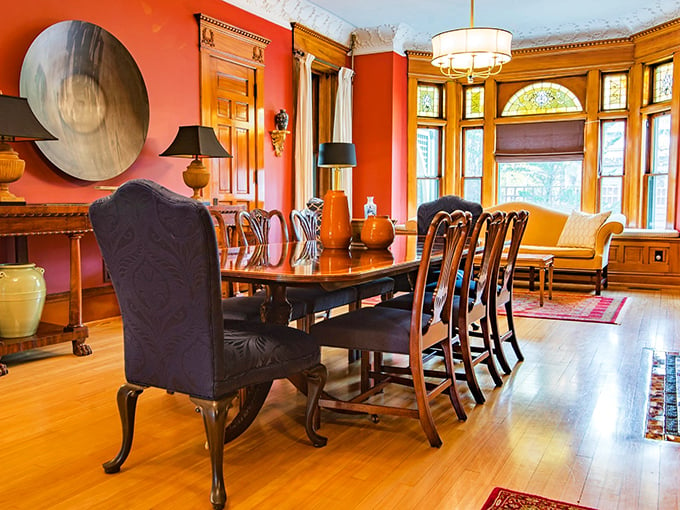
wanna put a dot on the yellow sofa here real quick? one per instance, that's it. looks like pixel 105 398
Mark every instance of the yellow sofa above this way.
pixel 543 231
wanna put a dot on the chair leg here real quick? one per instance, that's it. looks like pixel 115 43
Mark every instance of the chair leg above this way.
pixel 513 334
pixel 453 389
pixel 127 403
pixel 214 414
pixel 497 344
pixel 489 361
pixel 598 282
pixel 316 379
pixel 423 403
pixel 470 375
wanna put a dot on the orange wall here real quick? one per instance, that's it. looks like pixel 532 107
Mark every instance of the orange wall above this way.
pixel 380 133
pixel 162 36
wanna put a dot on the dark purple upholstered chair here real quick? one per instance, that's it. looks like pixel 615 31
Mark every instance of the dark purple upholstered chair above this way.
pixel 161 251
pixel 409 333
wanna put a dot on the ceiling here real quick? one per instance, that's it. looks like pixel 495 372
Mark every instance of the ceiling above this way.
pixel 532 22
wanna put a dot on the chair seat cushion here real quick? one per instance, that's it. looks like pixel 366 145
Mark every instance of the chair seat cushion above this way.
pixel 375 288
pixel 320 300
pixel 375 328
pixel 247 308
pixel 558 251
pixel 255 352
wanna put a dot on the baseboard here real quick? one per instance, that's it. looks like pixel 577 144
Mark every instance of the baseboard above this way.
pixel 98 303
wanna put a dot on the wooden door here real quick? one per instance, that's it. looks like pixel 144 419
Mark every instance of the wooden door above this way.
pixel 232 105
pixel 232 78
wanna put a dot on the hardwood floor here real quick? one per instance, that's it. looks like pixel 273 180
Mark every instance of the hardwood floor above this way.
pixel 566 424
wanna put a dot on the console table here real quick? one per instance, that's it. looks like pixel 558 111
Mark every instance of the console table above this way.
pixel 21 221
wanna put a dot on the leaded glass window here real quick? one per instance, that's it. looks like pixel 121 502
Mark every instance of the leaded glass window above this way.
pixel 541 98
pixel 474 102
pixel 429 100
pixel 657 174
pixel 473 160
pixel 428 170
pixel 612 155
pixel 663 82
pixel 614 91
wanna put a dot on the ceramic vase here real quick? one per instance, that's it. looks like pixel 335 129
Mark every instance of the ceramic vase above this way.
pixel 281 120
pixel 377 232
pixel 22 298
pixel 336 230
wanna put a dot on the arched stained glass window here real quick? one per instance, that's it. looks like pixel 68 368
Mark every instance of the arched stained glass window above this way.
pixel 542 97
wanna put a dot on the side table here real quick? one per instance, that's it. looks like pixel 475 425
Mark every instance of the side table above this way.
pixel 544 263
pixel 72 220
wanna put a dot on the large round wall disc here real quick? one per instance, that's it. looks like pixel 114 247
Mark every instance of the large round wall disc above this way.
pixel 86 89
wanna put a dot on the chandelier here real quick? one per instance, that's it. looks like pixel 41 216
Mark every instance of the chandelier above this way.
pixel 471 52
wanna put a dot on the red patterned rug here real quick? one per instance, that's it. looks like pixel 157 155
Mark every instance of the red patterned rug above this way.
pixel 504 499
pixel 664 403
pixel 567 306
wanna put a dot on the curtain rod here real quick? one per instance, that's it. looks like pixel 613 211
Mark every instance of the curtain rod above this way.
pixel 299 53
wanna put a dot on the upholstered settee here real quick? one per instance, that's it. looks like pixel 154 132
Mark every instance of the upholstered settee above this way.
pixel 546 234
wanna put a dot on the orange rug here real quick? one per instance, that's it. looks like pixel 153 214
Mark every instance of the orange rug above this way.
pixel 567 306
pixel 504 499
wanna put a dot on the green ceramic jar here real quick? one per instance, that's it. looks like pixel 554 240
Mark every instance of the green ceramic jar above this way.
pixel 22 298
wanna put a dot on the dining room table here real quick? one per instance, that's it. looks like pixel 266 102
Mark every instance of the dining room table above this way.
pixel 277 266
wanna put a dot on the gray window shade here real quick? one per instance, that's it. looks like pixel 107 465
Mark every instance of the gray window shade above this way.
pixel 547 141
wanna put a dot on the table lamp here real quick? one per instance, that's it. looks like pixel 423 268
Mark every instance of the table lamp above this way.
pixel 196 142
pixel 17 124
pixel 336 229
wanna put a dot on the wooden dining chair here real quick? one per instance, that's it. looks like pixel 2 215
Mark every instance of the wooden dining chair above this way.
pixel 472 304
pixel 516 222
pixel 407 334
pixel 161 252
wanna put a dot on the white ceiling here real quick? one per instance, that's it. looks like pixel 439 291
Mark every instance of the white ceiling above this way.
pixel 398 25
pixel 532 22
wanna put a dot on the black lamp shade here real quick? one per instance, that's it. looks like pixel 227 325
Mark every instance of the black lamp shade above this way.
pixel 196 142
pixel 337 155
pixel 17 121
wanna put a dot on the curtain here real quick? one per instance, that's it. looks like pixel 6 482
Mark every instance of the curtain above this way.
pixel 342 127
pixel 304 150
pixel 545 141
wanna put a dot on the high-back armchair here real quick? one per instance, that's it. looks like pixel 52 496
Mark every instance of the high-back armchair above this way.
pixel 161 252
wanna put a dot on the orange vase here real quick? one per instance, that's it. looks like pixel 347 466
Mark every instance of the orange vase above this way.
pixel 336 230
pixel 377 232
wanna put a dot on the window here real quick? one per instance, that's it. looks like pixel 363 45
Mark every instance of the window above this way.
pixel 662 82
pixel 473 159
pixel 428 173
pixel 612 152
pixel 554 184
pixel 429 100
pixel 474 102
pixel 614 91
pixel 657 173
pixel 541 98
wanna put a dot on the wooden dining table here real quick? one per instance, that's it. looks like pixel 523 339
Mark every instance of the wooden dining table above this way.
pixel 278 266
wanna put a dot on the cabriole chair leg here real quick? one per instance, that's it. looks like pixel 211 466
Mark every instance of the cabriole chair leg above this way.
pixel 316 379
pixel 214 414
pixel 127 403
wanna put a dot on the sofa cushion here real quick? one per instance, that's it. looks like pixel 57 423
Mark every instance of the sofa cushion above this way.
pixel 558 251
pixel 580 230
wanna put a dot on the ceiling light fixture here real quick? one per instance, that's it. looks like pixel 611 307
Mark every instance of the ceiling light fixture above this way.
pixel 471 52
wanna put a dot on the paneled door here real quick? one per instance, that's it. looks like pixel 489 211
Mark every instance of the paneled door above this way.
pixel 232 70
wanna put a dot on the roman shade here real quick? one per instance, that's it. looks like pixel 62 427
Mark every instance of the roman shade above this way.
pixel 544 141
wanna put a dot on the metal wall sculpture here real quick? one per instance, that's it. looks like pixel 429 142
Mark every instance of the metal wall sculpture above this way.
pixel 86 88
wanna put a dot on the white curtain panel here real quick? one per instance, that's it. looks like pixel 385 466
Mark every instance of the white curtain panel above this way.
pixel 342 126
pixel 304 151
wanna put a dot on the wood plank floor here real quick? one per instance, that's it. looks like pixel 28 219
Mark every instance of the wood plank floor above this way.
pixel 566 424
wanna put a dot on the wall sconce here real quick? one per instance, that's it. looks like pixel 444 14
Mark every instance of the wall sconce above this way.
pixel 279 134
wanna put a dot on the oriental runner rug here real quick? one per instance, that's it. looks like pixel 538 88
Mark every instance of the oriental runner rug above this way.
pixel 663 402
pixel 504 499
pixel 567 306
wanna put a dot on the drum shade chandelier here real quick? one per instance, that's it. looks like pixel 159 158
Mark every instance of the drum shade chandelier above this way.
pixel 471 52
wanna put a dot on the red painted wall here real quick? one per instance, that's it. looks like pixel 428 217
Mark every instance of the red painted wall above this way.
pixel 380 133
pixel 162 36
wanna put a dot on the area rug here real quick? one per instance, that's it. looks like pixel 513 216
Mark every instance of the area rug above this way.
pixel 504 499
pixel 567 306
pixel 662 405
